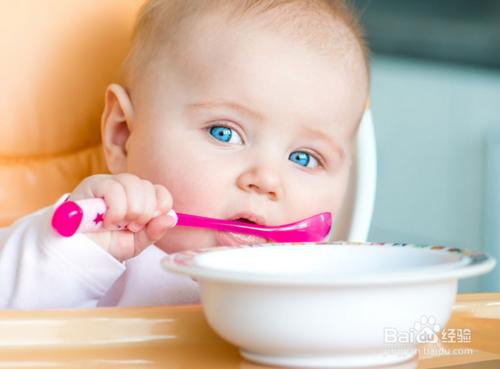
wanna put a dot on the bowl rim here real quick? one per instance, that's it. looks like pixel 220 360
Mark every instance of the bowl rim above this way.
pixel 470 263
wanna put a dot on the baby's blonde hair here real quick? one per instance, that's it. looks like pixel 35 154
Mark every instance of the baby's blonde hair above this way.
pixel 322 23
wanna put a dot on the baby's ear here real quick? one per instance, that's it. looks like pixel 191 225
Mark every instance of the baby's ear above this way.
pixel 116 121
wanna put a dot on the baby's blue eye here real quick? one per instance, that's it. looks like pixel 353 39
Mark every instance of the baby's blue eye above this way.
pixel 225 134
pixel 304 159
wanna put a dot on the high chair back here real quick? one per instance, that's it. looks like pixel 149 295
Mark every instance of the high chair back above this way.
pixel 353 222
pixel 57 58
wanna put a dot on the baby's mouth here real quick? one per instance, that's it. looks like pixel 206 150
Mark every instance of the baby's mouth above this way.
pixel 249 217
pixel 233 238
pixel 244 220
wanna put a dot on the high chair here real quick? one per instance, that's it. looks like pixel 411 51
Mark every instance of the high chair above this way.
pixel 57 59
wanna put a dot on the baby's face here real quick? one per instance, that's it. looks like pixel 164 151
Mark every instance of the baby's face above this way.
pixel 244 122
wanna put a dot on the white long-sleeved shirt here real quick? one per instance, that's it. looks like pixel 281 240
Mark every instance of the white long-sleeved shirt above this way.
pixel 40 269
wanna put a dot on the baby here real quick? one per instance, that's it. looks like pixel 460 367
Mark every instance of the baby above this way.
pixel 227 109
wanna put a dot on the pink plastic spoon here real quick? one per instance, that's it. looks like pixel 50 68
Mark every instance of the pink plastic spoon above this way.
pixel 87 216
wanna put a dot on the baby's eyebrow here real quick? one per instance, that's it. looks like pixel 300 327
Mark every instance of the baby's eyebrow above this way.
pixel 318 134
pixel 228 105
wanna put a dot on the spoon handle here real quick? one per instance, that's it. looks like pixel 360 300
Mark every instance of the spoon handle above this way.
pixel 88 215
pixel 84 216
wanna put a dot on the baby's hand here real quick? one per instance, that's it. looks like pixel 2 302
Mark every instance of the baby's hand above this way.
pixel 131 200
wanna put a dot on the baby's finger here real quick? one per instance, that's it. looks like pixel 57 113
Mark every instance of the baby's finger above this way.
pixel 134 191
pixel 114 195
pixel 121 245
pixel 152 232
pixel 163 200
pixel 149 206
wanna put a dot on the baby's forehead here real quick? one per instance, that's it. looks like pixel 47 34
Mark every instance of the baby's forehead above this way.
pixel 326 26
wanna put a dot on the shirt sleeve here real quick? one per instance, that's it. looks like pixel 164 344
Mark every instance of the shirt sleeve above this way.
pixel 41 269
pixel 147 283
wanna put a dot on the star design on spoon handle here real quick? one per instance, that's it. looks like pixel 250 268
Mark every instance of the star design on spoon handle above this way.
pixel 98 218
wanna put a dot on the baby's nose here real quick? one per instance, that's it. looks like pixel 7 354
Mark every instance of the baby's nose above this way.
pixel 264 181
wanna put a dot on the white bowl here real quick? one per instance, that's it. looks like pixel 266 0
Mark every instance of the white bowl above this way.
pixel 328 305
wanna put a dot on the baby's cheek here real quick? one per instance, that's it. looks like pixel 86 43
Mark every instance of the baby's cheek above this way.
pixel 336 198
pixel 323 194
pixel 197 194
